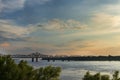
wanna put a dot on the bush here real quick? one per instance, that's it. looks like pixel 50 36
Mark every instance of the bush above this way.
pixel 9 70
pixel 98 76
pixel 115 75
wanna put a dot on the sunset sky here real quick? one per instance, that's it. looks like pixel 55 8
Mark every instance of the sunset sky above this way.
pixel 60 27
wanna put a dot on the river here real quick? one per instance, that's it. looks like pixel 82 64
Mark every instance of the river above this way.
pixel 75 70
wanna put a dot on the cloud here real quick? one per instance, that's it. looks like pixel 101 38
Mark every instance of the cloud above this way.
pixel 39 2
pixel 5 44
pixel 105 20
pixel 113 8
pixel 28 48
pixel 90 47
pixel 11 5
pixel 103 23
pixel 4 39
pixel 57 24
pixel 99 24
pixel 11 32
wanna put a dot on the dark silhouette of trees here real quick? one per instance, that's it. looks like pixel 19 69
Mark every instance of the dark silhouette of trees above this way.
pixel 9 70
pixel 105 77
pixel 48 73
pixel 116 75
pixel 98 76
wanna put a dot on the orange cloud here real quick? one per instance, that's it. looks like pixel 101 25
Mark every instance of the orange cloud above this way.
pixel 5 44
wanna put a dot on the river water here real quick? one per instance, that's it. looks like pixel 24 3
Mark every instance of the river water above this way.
pixel 75 70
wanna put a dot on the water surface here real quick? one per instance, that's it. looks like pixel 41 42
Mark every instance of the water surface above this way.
pixel 75 70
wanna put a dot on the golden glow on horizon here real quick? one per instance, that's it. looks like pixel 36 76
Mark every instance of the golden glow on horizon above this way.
pixel 5 44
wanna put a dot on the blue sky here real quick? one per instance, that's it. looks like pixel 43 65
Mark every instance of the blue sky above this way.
pixel 32 12
pixel 58 27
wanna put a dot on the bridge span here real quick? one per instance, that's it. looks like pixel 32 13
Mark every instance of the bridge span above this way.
pixel 36 56
pixel 33 56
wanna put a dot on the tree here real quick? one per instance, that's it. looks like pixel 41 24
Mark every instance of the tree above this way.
pixel 26 72
pixel 96 76
pixel 9 70
pixel 88 76
pixel 48 73
pixel 105 77
pixel 116 75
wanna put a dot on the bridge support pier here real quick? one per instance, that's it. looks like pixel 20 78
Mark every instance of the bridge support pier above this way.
pixel 48 60
pixel 53 60
pixel 32 59
pixel 36 59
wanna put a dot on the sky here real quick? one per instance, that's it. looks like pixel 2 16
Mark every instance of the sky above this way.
pixel 60 27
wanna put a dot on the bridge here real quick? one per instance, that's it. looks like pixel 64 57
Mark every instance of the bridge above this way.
pixel 33 56
pixel 36 56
